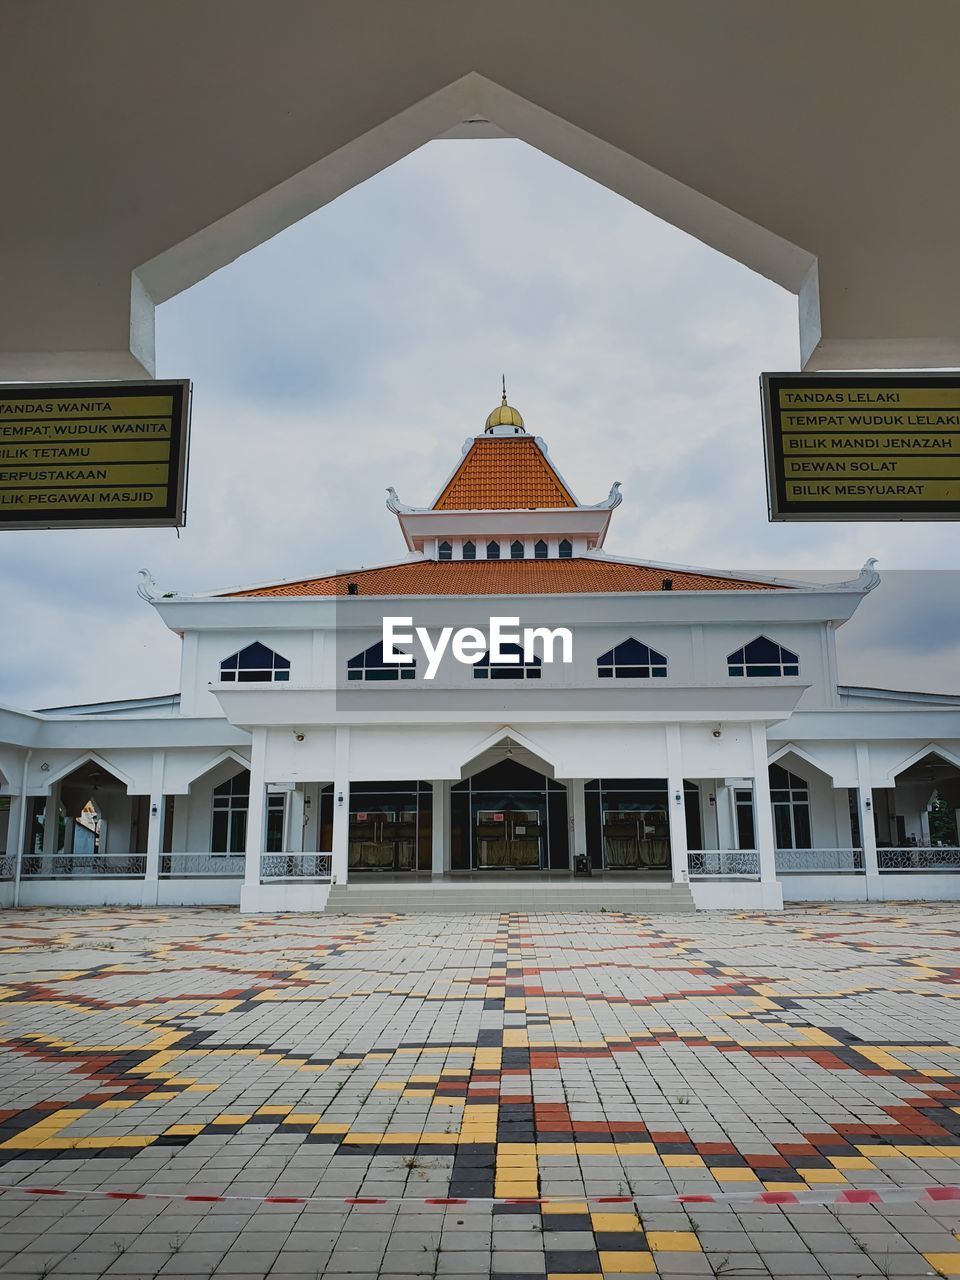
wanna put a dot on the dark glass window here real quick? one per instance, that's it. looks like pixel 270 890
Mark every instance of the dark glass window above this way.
pixel 565 550
pixel 763 658
pixel 746 838
pixel 520 670
pixel 469 551
pixel 369 665
pixel 631 660
pixel 231 804
pixel 540 550
pixel 790 798
pixel 255 663
pixel 516 550
pixel 445 551
pixel 493 550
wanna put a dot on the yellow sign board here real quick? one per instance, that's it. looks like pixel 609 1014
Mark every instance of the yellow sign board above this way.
pixel 860 446
pixel 93 455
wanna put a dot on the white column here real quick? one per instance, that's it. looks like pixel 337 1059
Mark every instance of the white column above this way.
pixel 577 814
pixel 676 810
pixel 151 879
pixel 294 840
pixel 762 808
pixel 341 807
pixel 868 831
pixel 257 812
pixel 51 814
pixel 440 832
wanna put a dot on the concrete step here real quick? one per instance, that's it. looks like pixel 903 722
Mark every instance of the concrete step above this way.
pixel 641 898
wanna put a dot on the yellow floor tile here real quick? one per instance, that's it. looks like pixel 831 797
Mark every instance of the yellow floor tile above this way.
pixel 945 1264
pixel 673 1241
pixel 851 1162
pixel 682 1162
pixel 615 1221
pixel 734 1175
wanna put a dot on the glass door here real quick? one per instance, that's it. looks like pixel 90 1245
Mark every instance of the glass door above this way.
pixel 510 832
pixel 383 833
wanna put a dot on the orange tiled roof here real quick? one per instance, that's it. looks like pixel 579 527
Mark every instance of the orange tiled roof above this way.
pixel 504 473
pixel 505 577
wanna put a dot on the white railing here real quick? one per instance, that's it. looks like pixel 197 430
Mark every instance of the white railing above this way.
pixel 208 866
pixel 83 866
pixel 276 867
pixel 791 862
pixel 918 858
pixel 723 862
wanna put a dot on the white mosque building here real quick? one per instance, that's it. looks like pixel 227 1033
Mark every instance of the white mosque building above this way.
pixel 696 747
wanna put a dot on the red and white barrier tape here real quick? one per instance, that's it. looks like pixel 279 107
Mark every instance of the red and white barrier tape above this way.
pixel 850 1195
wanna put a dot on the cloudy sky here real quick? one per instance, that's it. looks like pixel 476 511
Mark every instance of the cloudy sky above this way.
pixel 359 349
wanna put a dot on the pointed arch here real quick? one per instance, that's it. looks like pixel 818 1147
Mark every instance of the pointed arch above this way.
pixel 790 748
pixel 208 767
pixel 91 757
pixel 931 749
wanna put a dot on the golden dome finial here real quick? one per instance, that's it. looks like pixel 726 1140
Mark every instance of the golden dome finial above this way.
pixel 505 415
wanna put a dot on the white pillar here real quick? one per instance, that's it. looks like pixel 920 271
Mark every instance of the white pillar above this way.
pixel 294 840
pixel 256 814
pixel 868 831
pixel 341 807
pixel 51 824
pixel 676 809
pixel 440 831
pixel 151 878
pixel 577 814
pixel 762 808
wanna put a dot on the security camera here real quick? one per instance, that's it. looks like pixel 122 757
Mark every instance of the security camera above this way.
pixel 718 733
pixel 299 736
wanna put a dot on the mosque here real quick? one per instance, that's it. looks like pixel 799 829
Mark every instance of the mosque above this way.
pixel 691 747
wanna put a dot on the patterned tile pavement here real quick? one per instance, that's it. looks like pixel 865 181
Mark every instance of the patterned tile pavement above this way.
pixel 575 1056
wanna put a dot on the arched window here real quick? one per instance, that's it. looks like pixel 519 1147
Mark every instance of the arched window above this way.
pixel 519 670
pixel 516 550
pixel 369 665
pixel 445 551
pixel 493 550
pixel 231 803
pixel 763 658
pixel 790 797
pixel 540 550
pixel 631 660
pixel 255 664
pixel 565 550
pixel 469 551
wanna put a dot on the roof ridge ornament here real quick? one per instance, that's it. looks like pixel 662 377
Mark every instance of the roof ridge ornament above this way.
pixel 148 589
pixel 613 499
pixel 395 505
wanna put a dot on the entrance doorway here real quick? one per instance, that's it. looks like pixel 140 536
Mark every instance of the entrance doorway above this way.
pixel 389 826
pixel 509 818
pixel 628 824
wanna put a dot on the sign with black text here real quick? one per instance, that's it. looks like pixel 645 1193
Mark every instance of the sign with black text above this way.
pixel 862 446
pixel 93 455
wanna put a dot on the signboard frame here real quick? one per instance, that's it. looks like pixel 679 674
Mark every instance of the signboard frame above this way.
pixel 173 514
pixel 780 507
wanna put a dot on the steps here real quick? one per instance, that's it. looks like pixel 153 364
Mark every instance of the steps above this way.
pixel 495 897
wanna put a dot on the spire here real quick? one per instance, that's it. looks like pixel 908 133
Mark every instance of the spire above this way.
pixel 504 416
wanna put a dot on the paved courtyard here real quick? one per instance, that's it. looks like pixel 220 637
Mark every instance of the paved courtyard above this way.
pixel 488 1059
